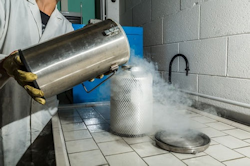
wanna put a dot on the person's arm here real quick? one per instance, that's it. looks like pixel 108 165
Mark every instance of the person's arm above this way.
pixel 4 18
pixel 11 65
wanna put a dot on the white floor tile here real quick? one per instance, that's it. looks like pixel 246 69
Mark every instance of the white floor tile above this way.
pixel 137 140
pixel 212 132
pixel 68 113
pixel 241 126
pixel 245 151
pixel 226 121
pixel 152 137
pixel 85 110
pixel 83 150
pixel 147 149
pixel 222 153
pixel 105 137
pixel 114 147
pixel 238 162
pixel 203 161
pixel 238 133
pixel 203 119
pixel 89 158
pixel 197 125
pixel 74 126
pixel 93 121
pixel 76 135
pixel 231 142
pixel 164 160
pixel 213 142
pixel 104 127
pixel 67 120
pixel 220 126
pixel 247 140
pixel 187 156
pixel 81 145
pixel 192 114
pixel 90 115
pixel 126 159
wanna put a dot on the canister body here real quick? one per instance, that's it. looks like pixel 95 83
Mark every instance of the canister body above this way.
pixel 131 103
pixel 73 58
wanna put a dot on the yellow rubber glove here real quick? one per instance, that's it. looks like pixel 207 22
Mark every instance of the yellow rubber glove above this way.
pixel 98 77
pixel 14 68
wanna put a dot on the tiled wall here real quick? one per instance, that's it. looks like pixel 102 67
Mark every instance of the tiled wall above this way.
pixel 213 34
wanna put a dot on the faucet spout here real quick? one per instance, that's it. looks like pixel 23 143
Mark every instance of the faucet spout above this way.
pixel 170 66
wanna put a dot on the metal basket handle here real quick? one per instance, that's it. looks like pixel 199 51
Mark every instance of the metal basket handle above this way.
pixel 113 70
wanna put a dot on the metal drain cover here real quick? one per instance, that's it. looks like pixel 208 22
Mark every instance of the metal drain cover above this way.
pixel 190 141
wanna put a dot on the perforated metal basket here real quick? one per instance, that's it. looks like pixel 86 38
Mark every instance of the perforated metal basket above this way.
pixel 131 102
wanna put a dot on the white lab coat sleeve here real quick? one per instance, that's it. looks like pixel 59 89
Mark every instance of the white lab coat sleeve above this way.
pixel 2 56
pixel 4 18
pixel 69 28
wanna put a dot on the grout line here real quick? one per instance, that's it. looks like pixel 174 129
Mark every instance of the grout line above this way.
pixel 64 140
pixel 233 159
pixel 227 129
pixel 134 150
pixel 204 74
pixel 83 151
pixel 97 143
pixel 231 35
pixel 199 23
pixel 119 153
pixel 241 147
pixel 227 52
pixel 162 30
pixel 167 152
pixel 213 157
pixel 190 156
pixel 170 152
pixel 89 138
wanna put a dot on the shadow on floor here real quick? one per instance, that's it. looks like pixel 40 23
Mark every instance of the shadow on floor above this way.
pixel 41 152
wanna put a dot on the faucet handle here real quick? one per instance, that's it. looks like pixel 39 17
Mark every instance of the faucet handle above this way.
pixel 187 69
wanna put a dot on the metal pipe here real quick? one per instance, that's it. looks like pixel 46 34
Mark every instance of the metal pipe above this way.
pixel 170 66
pixel 218 99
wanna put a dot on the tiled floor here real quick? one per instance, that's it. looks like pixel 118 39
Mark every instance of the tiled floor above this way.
pixel 88 142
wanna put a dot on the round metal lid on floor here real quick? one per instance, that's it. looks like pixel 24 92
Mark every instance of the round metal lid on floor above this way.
pixel 188 142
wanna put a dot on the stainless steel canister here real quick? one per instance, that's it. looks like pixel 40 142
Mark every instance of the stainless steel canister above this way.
pixel 131 102
pixel 73 58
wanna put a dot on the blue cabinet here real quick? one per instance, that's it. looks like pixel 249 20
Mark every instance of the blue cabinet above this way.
pixel 102 93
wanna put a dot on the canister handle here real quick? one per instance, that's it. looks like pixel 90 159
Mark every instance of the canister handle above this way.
pixel 113 70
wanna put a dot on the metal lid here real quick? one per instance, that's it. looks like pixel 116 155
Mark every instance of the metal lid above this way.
pixel 186 142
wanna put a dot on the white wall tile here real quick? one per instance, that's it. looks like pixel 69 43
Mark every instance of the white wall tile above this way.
pixel 126 18
pixel 228 88
pixel 163 54
pixel 122 6
pixel 189 83
pixel 234 110
pixel 239 56
pixel 142 13
pixel 162 8
pixel 182 26
pixel 223 17
pixel 147 53
pixel 190 3
pixel 205 56
pixel 152 33
pixel 132 3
